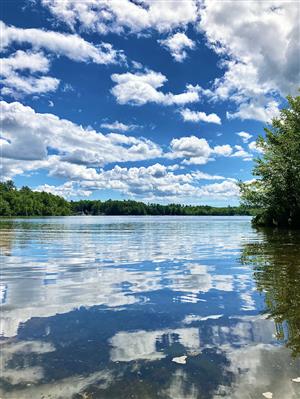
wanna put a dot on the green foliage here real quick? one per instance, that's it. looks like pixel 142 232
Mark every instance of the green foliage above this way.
pixel 128 207
pixel 277 189
pixel 25 202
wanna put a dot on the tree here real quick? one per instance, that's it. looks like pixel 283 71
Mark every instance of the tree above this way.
pixel 277 190
pixel 25 202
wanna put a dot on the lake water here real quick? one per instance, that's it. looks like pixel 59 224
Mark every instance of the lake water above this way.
pixel 148 307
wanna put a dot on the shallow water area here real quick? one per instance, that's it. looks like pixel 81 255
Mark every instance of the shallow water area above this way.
pixel 148 307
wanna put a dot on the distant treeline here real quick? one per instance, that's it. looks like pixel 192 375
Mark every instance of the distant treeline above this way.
pixel 128 207
pixel 25 202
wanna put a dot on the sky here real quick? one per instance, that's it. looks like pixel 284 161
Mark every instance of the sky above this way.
pixel 152 100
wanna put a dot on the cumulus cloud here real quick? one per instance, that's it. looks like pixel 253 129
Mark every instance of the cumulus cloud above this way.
pixel 19 70
pixel 225 150
pixel 259 66
pixel 105 16
pixel 22 60
pixel 68 45
pixel 33 141
pixel 197 116
pixel 177 45
pixel 241 153
pixel 206 176
pixel 249 39
pixel 122 127
pixel 256 110
pixel 196 150
pixel 142 88
pixel 16 86
pixel 258 69
pixel 77 153
pixel 244 136
pixel 15 73
pixel 27 135
pixel 254 147
pixel 155 182
pixel 66 190
pixel 228 188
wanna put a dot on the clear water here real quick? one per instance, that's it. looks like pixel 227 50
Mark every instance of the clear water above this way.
pixel 148 307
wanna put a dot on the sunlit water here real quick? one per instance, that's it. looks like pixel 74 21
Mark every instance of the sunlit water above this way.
pixel 148 307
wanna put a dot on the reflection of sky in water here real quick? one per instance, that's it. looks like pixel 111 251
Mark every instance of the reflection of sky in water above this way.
pixel 97 307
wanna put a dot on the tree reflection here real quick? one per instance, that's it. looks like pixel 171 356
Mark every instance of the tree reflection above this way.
pixel 7 237
pixel 276 261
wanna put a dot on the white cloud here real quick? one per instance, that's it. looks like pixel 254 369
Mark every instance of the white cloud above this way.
pixel 177 45
pixel 67 87
pixel 259 66
pixel 238 83
pixel 196 161
pixel 190 147
pixel 141 88
pixel 244 136
pixel 206 176
pixel 118 126
pixel 66 190
pixel 155 182
pixel 257 111
pixel 22 60
pixel 254 147
pixel 105 16
pixel 27 135
pixel 197 116
pixel 68 45
pixel 241 153
pixel 19 69
pixel 196 150
pixel 18 85
pixel 245 31
pixel 15 79
pixel 227 188
pixel 225 150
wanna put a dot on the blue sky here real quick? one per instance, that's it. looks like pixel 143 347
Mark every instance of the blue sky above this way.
pixel 151 100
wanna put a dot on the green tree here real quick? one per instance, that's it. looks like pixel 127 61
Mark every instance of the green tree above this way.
pixel 277 190
pixel 25 202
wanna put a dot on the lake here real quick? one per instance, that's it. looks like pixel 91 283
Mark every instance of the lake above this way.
pixel 148 307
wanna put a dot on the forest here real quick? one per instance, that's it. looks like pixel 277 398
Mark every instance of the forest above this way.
pixel 26 202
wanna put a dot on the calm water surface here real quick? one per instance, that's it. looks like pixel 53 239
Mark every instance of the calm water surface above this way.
pixel 148 307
